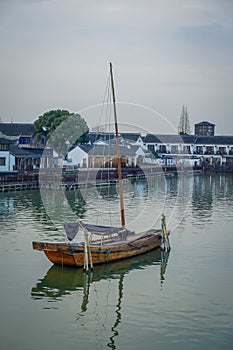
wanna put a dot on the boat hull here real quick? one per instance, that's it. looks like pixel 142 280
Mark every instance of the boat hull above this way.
pixel 72 254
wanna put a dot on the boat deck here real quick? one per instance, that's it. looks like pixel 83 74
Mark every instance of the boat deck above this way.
pixel 129 239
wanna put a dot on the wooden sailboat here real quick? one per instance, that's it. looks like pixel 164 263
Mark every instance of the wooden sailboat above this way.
pixel 113 243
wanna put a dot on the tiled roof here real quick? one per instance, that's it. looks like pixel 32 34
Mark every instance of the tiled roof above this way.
pixel 103 150
pixel 4 139
pixel 95 136
pixel 189 139
pixel 215 140
pixel 16 129
pixel 86 148
pixel 30 152
pixel 176 138
pixel 205 123
pixel 169 138
pixel 130 135
pixel 151 138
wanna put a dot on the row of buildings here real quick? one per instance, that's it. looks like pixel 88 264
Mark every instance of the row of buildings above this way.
pixel 20 149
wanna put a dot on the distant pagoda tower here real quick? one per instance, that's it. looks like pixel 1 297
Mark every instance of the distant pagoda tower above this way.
pixel 184 123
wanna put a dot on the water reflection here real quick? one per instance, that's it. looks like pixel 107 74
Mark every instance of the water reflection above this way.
pixel 6 206
pixel 62 281
pixel 210 190
pixel 194 308
pixel 108 192
pixel 77 203
pixel 202 198
pixel 140 187
pixel 145 199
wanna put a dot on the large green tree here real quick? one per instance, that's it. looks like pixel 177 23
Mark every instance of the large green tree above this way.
pixel 62 129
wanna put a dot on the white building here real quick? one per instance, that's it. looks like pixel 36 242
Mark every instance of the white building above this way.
pixel 7 160
pixel 103 154
pixel 212 149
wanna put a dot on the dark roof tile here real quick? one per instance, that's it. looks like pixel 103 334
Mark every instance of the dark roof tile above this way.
pixel 205 123
pixel 189 139
pixel 16 129
pixel 30 152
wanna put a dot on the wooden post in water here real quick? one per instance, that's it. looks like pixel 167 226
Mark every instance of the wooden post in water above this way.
pixel 165 239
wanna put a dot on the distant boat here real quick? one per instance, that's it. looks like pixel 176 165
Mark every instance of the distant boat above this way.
pixel 113 243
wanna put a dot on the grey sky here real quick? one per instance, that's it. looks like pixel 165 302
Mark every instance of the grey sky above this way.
pixel 165 53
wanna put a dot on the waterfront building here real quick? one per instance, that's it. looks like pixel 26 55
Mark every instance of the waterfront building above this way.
pixel 204 129
pixel 20 150
pixel 15 158
pixel 26 159
pixel 103 154
pixel 100 136
pixel 18 153
pixel 78 156
pixel 7 160
pixel 23 132
pixel 196 149
pixel 131 137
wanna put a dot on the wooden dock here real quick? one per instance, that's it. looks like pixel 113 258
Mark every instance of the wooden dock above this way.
pixel 18 187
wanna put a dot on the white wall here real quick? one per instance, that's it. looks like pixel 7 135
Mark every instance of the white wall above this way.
pixel 10 161
pixel 75 157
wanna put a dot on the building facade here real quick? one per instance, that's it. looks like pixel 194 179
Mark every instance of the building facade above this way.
pixel 210 149
pixel 204 129
pixel 7 160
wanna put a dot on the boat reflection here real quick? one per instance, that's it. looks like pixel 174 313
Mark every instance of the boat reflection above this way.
pixel 60 281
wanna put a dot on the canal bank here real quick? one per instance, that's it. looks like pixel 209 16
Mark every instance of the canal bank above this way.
pixel 71 179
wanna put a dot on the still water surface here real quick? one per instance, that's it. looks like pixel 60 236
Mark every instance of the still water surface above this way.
pixel 183 300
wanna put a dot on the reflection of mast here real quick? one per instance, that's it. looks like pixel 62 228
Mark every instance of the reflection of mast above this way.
pixel 111 344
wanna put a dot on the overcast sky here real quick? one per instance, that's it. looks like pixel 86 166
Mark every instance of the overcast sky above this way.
pixel 165 54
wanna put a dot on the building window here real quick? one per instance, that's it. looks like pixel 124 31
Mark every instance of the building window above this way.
pixel 174 149
pixel 151 148
pixel 24 140
pixel 4 147
pixel 2 161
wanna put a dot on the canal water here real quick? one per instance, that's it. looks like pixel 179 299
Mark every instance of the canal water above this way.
pixel 180 300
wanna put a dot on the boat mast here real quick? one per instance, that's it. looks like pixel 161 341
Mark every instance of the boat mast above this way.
pixel 118 153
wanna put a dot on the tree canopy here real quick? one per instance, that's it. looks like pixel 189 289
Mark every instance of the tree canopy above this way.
pixel 62 129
